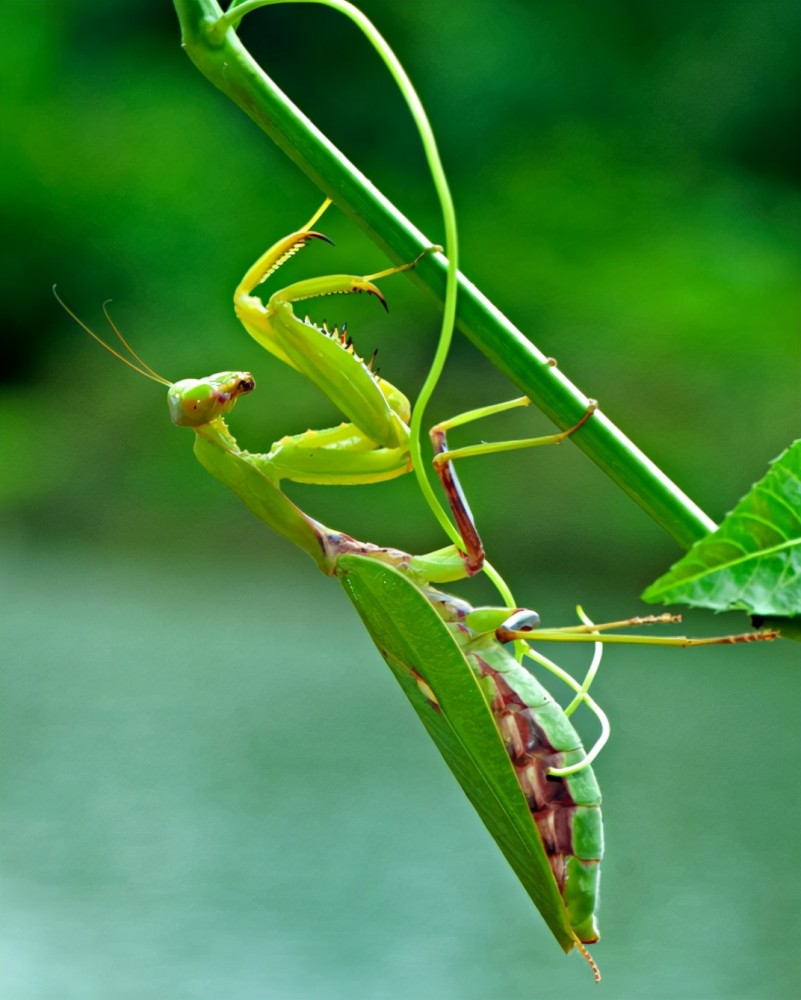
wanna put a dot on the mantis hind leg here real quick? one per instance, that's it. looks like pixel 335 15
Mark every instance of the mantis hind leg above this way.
pixel 444 458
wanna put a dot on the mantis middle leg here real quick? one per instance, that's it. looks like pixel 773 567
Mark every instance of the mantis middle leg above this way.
pixel 444 459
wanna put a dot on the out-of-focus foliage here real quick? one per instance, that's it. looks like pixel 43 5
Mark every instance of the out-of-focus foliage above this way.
pixel 209 796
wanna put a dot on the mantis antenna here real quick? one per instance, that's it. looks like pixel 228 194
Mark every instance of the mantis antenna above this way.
pixel 141 367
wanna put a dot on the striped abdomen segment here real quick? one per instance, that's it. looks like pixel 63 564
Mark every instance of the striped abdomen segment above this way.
pixel 538 736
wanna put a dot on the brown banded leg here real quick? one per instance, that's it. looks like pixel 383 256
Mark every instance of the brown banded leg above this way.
pixel 473 552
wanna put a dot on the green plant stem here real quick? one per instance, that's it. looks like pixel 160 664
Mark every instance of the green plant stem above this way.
pixel 229 66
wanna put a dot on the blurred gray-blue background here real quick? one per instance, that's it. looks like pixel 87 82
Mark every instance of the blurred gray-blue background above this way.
pixel 212 786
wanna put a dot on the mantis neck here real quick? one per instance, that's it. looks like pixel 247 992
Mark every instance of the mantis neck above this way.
pixel 248 476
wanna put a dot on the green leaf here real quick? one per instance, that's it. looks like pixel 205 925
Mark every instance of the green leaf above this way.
pixel 415 643
pixel 753 561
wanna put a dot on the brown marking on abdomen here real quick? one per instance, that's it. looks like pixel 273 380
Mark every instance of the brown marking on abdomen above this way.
pixel 532 754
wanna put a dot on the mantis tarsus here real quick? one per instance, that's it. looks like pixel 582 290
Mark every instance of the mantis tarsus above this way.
pixel 512 748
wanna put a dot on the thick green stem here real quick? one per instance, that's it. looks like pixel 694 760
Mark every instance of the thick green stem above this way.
pixel 229 66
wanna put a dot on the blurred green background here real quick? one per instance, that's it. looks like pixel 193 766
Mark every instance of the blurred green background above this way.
pixel 212 786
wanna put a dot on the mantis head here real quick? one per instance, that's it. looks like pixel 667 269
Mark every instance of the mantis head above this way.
pixel 196 401
pixel 192 402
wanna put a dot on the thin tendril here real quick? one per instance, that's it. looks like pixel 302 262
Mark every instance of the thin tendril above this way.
pixel 231 19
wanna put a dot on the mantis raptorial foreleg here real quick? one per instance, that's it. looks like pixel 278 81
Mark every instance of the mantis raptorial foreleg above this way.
pixel 373 445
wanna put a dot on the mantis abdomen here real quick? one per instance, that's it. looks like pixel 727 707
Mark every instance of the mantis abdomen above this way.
pixel 566 810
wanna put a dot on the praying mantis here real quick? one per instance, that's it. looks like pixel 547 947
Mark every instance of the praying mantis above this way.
pixel 510 745
pixel 513 749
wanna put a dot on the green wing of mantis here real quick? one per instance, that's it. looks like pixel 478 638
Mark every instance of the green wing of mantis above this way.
pixel 416 644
